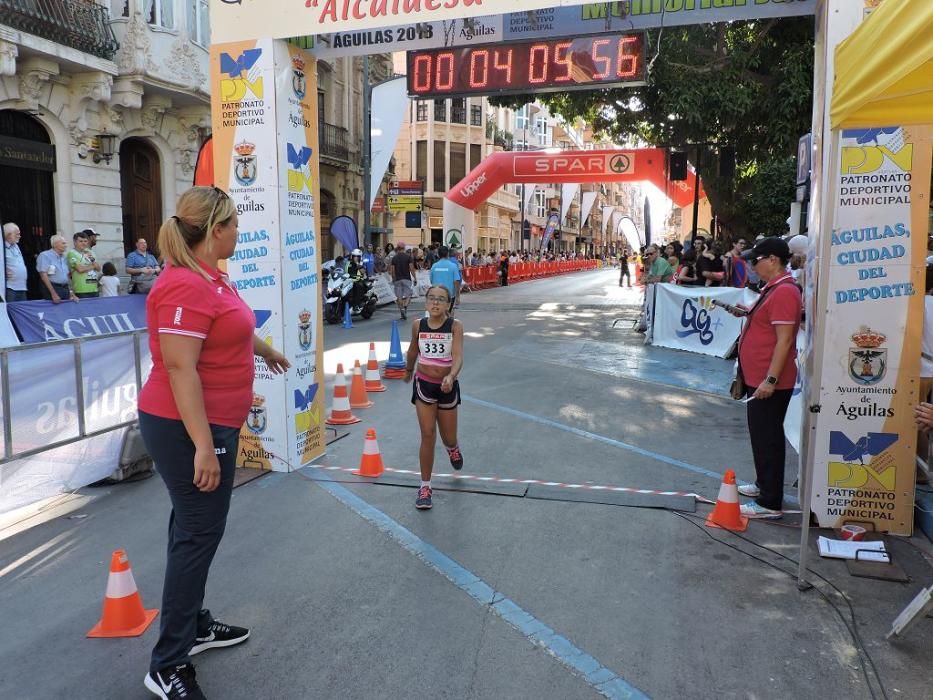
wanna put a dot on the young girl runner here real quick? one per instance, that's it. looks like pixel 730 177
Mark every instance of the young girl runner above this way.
pixel 435 356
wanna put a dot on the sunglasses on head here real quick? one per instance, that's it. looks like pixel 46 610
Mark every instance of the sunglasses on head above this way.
pixel 221 195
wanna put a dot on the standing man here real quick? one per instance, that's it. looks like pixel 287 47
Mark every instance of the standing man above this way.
pixel 142 267
pixel 369 260
pixel 736 267
pixel 446 272
pixel 15 264
pixel 624 273
pixel 85 270
pixel 403 275
pixel 52 267
pixel 504 269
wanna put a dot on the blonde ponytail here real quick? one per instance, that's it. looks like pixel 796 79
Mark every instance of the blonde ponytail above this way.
pixel 199 209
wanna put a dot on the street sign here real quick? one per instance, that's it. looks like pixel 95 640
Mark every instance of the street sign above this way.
pixel 379 205
pixel 412 219
pixel 405 202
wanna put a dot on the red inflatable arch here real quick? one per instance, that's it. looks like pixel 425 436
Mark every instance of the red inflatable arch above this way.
pixel 530 167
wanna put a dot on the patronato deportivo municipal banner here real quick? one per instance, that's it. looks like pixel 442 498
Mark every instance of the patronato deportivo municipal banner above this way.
pixel 865 443
pixel 686 319
pixel 264 110
pixel 545 22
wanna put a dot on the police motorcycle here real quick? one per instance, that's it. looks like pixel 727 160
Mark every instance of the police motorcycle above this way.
pixel 339 292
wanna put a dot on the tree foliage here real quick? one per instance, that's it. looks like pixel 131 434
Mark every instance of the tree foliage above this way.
pixel 744 84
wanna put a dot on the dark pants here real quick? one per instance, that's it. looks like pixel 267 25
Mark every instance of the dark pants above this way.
pixel 766 429
pixel 61 290
pixel 505 276
pixel 195 528
pixel 625 275
pixel 87 295
pixel 15 294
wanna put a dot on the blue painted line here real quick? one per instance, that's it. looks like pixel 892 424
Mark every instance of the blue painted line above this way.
pixel 606 682
pixel 608 441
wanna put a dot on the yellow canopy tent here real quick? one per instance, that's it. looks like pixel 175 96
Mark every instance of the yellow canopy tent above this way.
pixel 884 69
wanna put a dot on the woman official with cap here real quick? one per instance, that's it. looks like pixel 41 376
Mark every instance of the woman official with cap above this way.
pixel 767 353
pixel 202 339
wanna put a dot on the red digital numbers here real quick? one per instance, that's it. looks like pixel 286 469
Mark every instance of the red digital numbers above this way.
pixel 559 64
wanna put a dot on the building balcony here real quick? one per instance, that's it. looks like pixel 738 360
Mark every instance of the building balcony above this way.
pixel 334 143
pixel 80 24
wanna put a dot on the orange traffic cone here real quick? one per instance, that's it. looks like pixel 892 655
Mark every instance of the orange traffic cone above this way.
pixel 371 461
pixel 358 396
pixel 340 409
pixel 123 614
pixel 726 513
pixel 373 380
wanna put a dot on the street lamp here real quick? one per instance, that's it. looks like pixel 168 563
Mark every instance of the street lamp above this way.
pixel 105 147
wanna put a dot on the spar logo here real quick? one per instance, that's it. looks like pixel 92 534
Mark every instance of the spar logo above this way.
pixel 471 188
pixel 888 149
pixel 697 319
pixel 243 76
pixel 299 178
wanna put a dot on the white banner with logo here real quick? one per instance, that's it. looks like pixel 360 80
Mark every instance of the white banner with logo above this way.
pixel 382 286
pixel 264 110
pixel 43 406
pixel 685 318
pixel 871 320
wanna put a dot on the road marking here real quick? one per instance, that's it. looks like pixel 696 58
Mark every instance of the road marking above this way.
pixel 600 678
pixel 557 484
pixel 608 441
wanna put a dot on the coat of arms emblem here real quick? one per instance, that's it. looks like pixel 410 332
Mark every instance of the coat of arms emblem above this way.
pixel 256 421
pixel 868 361
pixel 299 82
pixel 304 329
pixel 245 167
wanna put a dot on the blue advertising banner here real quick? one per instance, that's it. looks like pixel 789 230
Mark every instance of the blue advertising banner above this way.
pixel 42 321
pixel 552 223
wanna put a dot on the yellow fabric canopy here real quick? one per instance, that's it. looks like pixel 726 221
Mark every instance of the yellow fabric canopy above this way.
pixel 884 70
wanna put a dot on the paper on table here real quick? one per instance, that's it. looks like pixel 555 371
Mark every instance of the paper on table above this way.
pixel 846 549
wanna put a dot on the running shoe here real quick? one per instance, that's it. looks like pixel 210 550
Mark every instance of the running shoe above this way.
pixel 749 491
pixel 219 635
pixel 456 457
pixel 174 683
pixel 424 498
pixel 753 510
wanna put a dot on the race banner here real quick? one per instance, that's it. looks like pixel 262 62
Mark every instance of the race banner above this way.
pixel 685 318
pixel 44 404
pixel 42 321
pixel 553 222
pixel 579 20
pixel 864 447
pixel 265 152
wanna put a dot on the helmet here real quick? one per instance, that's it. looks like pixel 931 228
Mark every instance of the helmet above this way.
pixel 356 253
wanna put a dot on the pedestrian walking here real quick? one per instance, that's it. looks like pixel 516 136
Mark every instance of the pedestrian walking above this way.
pixel 435 356
pixel 199 392
pixel 403 277
pixel 767 350
pixel 447 273
pixel 624 273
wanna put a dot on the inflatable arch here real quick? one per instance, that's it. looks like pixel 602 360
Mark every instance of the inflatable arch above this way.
pixel 541 167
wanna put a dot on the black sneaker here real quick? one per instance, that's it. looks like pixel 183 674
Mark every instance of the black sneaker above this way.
pixel 404 315
pixel 424 498
pixel 456 457
pixel 219 635
pixel 174 683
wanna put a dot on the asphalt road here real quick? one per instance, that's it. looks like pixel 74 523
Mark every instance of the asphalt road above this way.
pixel 352 593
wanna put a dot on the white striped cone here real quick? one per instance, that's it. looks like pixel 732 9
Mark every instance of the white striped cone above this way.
pixel 373 381
pixel 123 614
pixel 371 461
pixel 340 413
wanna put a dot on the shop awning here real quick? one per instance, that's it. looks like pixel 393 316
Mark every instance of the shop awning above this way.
pixel 884 70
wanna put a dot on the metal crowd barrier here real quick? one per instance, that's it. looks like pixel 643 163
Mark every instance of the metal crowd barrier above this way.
pixel 9 454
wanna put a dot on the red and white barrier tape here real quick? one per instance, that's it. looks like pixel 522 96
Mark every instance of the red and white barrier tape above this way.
pixel 558 484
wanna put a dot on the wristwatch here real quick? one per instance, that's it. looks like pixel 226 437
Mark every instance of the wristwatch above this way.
pixel 772 380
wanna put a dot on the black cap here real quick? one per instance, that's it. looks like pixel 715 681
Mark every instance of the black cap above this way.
pixel 773 245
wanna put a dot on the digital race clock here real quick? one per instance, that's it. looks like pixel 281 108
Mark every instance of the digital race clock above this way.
pixel 548 65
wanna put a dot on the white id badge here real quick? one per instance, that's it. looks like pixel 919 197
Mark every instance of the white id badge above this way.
pixel 52 269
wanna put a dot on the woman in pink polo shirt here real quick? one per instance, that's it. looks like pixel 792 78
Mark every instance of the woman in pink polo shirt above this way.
pixel 767 350
pixel 202 339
